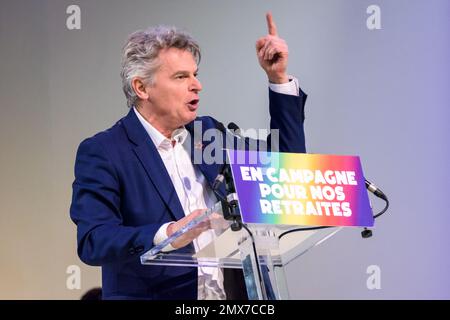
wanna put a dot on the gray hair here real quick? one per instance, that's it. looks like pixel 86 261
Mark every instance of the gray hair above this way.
pixel 141 51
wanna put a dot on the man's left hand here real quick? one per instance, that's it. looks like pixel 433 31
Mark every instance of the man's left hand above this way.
pixel 272 52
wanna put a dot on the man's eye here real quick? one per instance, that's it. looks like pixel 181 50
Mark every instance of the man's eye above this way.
pixel 181 76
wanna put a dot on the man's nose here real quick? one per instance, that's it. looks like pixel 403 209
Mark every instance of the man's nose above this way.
pixel 196 85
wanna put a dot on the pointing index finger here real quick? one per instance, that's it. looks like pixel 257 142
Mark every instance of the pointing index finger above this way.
pixel 271 25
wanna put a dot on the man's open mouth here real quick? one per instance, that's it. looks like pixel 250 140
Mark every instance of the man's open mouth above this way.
pixel 193 104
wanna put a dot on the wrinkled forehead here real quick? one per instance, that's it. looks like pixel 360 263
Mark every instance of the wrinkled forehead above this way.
pixel 174 60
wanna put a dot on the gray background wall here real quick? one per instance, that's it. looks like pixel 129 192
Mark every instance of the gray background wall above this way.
pixel 381 94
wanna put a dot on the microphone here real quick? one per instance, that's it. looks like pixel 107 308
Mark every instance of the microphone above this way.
pixel 235 129
pixel 224 175
pixel 220 178
pixel 375 190
pixel 366 233
pixel 232 131
pixel 220 126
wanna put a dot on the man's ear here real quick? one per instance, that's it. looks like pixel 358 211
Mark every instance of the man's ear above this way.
pixel 140 88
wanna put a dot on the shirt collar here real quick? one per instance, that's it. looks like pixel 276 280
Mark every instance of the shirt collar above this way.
pixel 160 141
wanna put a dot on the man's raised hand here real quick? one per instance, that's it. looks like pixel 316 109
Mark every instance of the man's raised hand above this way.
pixel 272 52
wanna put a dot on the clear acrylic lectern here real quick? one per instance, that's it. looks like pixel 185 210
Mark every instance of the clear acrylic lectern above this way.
pixel 257 250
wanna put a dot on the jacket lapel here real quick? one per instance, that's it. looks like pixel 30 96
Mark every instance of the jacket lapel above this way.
pixel 150 159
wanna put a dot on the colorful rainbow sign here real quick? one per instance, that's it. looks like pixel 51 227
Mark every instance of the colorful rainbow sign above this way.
pixel 300 189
